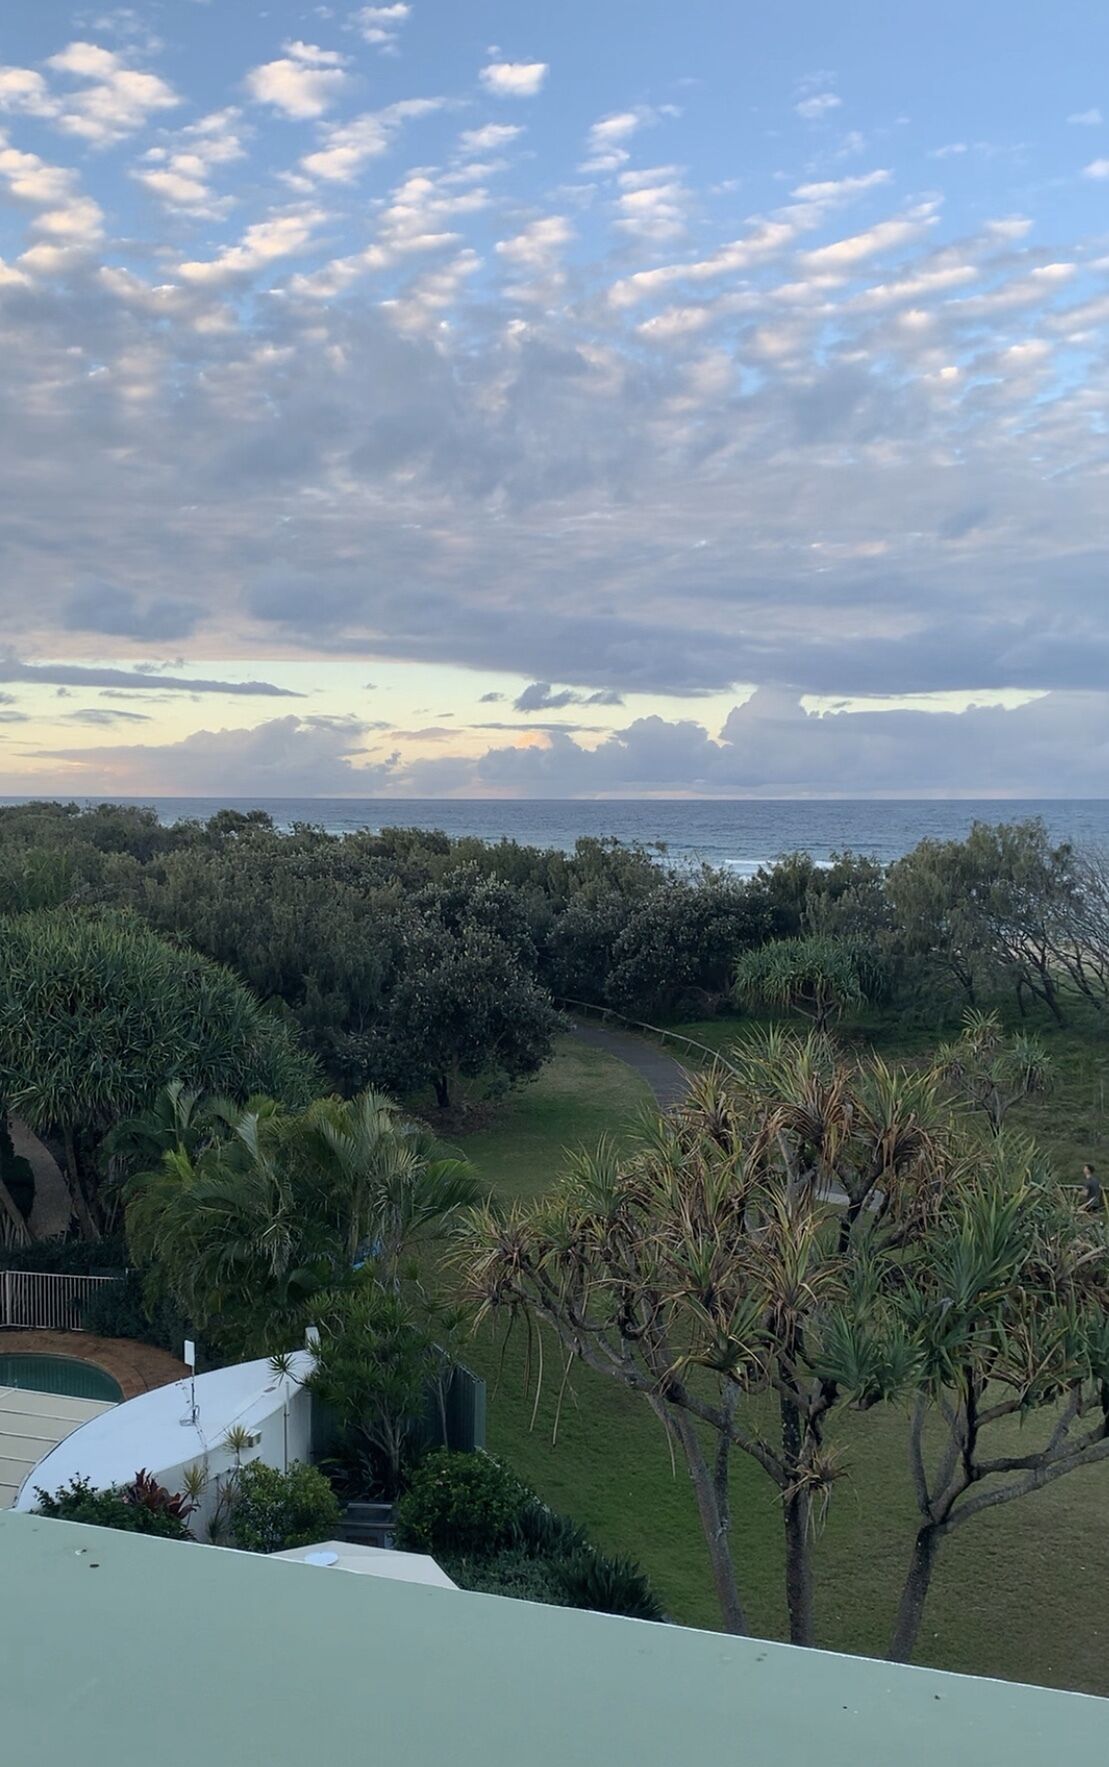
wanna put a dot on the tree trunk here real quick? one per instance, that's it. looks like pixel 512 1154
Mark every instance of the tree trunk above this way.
pixel 17 1231
pixel 796 1516
pixel 85 1221
pixel 442 1092
pixel 914 1593
pixel 715 1525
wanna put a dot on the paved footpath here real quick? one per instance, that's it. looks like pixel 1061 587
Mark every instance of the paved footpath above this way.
pixel 666 1077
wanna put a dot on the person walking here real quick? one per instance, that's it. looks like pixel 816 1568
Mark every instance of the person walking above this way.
pixel 1091 1189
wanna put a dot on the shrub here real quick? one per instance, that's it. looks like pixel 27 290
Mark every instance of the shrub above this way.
pixel 121 1310
pixel 513 1573
pixel 142 1507
pixel 460 1503
pixel 588 1579
pixel 543 1533
pixel 67 1257
pixel 272 1511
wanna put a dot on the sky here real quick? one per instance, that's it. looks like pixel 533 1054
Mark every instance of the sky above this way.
pixel 482 398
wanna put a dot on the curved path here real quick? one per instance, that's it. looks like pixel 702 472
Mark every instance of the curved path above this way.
pixel 666 1077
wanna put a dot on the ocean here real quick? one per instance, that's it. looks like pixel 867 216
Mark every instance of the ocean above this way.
pixel 737 834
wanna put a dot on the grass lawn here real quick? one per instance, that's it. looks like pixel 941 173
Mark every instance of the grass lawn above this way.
pixel 1023 1592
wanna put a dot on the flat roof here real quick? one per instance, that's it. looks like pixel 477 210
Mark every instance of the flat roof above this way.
pixel 125 1649
pixel 368 1561
pixel 152 1430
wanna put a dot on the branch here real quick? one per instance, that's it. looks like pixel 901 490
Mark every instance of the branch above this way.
pixel 1035 1481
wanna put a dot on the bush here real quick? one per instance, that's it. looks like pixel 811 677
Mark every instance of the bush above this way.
pixel 121 1310
pixel 494 1535
pixel 67 1257
pixel 142 1507
pixel 588 1579
pixel 513 1573
pixel 460 1503
pixel 543 1533
pixel 272 1511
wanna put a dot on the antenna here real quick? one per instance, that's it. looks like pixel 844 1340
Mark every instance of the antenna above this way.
pixel 192 1412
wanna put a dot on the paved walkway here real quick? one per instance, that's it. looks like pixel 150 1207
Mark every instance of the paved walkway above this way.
pixel 666 1077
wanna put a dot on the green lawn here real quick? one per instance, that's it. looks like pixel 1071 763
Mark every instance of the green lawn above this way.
pixel 1022 1593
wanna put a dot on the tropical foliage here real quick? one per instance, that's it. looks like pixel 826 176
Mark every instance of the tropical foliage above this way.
pixel 96 1015
pixel 809 1233
pixel 142 1507
pixel 277 1208
pixel 273 1511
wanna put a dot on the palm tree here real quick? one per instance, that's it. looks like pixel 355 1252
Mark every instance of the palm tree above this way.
pixel 378 1176
pixel 284 1206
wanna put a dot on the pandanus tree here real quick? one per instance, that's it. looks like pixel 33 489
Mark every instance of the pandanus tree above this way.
pixel 97 1014
pixel 805 1236
pixel 286 1206
pixel 992 1071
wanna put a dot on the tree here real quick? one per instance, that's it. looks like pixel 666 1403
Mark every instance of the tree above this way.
pixel 1004 905
pixel 466 1005
pixel 992 1071
pixel 98 1014
pixel 816 976
pixel 378 1367
pixel 937 924
pixel 246 1234
pixel 679 948
pixel 707 1270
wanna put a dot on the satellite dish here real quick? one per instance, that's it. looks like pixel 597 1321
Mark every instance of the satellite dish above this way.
pixel 321 1558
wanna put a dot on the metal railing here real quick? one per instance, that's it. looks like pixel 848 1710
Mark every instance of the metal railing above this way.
pixel 638 1025
pixel 50 1303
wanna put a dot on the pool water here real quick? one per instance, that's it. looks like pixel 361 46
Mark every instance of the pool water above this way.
pixel 59 1374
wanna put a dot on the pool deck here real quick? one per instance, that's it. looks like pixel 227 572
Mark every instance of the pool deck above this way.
pixel 32 1424
pixel 138 1368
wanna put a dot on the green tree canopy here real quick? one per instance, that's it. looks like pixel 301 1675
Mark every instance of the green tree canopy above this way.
pixel 817 976
pixel 807 1234
pixel 97 1014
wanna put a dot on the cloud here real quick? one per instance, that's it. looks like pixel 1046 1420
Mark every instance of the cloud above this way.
pixel 111 101
pixel 1096 169
pixel 818 106
pixel 771 746
pixel 284 757
pixel 541 697
pixel 118 613
pixel 490 699
pixel 86 675
pixel 380 25
pixel 347 146
pixel 604 148
pixel 514 79
pixel 262 244
pixel 1087 119
pixel 179 172
pixel 106 716
pixel 489 138
pixel 303 83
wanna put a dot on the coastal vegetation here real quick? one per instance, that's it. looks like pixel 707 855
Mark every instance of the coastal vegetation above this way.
pixel 843 1284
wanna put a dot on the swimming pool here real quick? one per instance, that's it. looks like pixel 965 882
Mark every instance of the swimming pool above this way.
pixel 59 1374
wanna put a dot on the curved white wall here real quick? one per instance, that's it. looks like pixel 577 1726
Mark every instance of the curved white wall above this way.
pixel 155 1431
